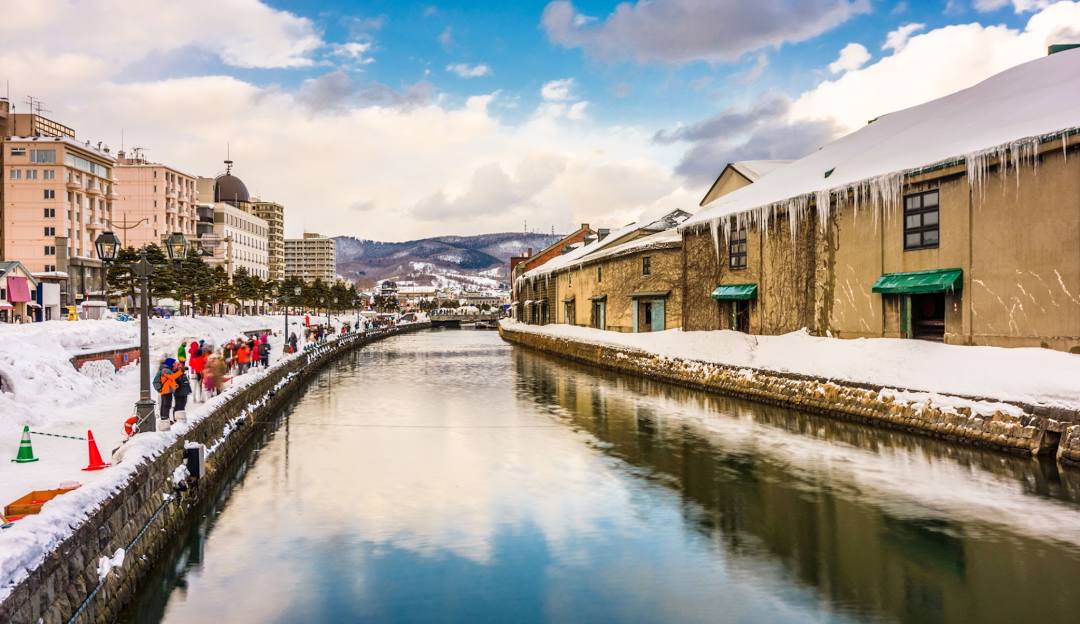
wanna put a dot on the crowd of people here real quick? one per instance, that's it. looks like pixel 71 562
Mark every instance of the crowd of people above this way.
pixel 200 369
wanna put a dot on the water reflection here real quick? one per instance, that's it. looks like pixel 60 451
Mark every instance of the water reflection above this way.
pixel 882 524
pixel 448 477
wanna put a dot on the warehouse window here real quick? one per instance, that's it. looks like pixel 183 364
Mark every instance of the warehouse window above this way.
pixel 921 220
pixel 737 250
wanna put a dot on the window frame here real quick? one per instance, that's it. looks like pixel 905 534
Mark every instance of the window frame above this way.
pixel 737 250
pixel 921 211
pixel 646 265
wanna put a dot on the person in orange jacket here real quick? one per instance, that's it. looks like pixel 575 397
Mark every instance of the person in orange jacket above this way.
pixel 243 357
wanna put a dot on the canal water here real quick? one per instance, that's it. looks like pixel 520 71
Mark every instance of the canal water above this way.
pixel 446 476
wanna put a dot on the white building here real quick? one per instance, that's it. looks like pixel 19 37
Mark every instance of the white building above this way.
pixel 313 256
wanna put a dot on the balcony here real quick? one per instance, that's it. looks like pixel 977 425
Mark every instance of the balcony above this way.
pixel 73 185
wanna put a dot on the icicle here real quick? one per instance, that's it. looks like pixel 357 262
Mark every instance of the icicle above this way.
pixel 714 228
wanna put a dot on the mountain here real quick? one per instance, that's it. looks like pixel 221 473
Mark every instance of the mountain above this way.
pixel 480 260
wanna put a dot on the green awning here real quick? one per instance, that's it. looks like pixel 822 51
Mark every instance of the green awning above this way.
pixel 735 292
pixel 919 282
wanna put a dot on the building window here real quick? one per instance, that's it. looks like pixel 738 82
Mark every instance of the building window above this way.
pixel 49 268
pixel 737 250
pixel 18 151
pixel 48 194
pixel 50 213
pixel 646 265
pixel 599 273
pixel 50 231
pixel 16 174
pixel 43 156
pixel 31 174
pixel 49 174
pixel 50 250
pixel 921 220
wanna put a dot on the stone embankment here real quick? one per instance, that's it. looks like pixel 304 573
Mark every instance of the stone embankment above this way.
pixel 1017 428
pixel 144 514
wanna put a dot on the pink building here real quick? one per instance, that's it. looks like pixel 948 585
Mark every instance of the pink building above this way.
pixel 56 196
pixel 154 201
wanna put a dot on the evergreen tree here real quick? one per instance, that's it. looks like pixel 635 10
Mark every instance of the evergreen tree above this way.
pixel 243 288
pixel 193 276
pixel 119 279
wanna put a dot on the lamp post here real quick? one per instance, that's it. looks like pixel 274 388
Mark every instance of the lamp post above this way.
pixel 296 293
pixel 176 246
pixel 107 247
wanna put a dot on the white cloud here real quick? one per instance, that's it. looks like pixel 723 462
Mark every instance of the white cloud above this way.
pixel 853 56
pixel 1020 6
pixel 751 75
pixel 934 64
pixel 576 112
pixel 242 33
pixel 557 90
pixel 354 50
pixel 465 70
pixel 898 38
pixel 679 31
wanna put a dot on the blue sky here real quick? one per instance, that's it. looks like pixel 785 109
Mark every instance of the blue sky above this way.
pixel 510 40
pixel 393 120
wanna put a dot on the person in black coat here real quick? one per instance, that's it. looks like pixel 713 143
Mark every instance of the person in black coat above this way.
pixel 264 352
pixel 183 389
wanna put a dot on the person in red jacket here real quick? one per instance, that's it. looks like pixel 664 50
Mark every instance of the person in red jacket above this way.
pixel 197 357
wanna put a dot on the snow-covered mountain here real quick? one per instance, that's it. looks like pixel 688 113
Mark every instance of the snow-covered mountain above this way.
pixel 477 261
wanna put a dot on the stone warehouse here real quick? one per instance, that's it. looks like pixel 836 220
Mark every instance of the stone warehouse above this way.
pixel 975 250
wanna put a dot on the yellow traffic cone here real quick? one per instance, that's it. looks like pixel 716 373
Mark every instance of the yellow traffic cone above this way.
pixel 26 452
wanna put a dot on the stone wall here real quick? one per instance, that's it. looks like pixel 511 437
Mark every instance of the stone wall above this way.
pixel 622 278
pixel 138 517
pixel 1036 431
pixel 782 263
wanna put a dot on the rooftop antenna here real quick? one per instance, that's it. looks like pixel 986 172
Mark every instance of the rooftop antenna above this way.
pixel 228 160
pixel 36 106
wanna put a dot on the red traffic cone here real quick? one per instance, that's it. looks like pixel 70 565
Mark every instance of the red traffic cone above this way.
pixel 95 455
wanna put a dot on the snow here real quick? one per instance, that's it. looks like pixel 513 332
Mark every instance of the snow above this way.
pixel 1005 116
pixel 912 370
pixel 753 170
pixel 667 238
pixel 43 390
pixel 580 255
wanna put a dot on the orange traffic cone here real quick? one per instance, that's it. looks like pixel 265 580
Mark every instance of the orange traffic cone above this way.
pixel 95 455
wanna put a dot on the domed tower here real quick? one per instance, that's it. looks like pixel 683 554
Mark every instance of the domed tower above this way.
pixel 231 189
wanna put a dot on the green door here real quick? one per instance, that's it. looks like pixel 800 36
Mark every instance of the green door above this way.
pixel 657 315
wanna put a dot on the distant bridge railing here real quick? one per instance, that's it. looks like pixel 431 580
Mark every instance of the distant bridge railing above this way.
pixel 465 318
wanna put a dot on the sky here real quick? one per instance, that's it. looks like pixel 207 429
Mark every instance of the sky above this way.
pixel 391 120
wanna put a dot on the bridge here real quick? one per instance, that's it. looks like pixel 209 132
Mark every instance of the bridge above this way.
pixel 457 320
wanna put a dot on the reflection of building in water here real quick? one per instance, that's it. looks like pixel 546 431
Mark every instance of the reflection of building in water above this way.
pixel 879 524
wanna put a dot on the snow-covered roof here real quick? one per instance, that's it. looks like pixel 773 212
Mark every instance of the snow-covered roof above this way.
pixel 1005 116
pixel 753 169
pixel 666 238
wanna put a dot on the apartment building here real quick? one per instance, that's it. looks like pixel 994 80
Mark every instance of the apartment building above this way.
pixel 313 256
pixel 56 196
pixel 154 200
pixel 274 215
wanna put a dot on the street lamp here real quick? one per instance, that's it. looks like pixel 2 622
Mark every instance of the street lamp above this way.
pixel 176 246
pixel 296 292
pixel 107 247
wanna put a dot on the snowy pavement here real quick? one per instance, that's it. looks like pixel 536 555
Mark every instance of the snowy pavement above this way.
pixel 43 390
pixel 1028 375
